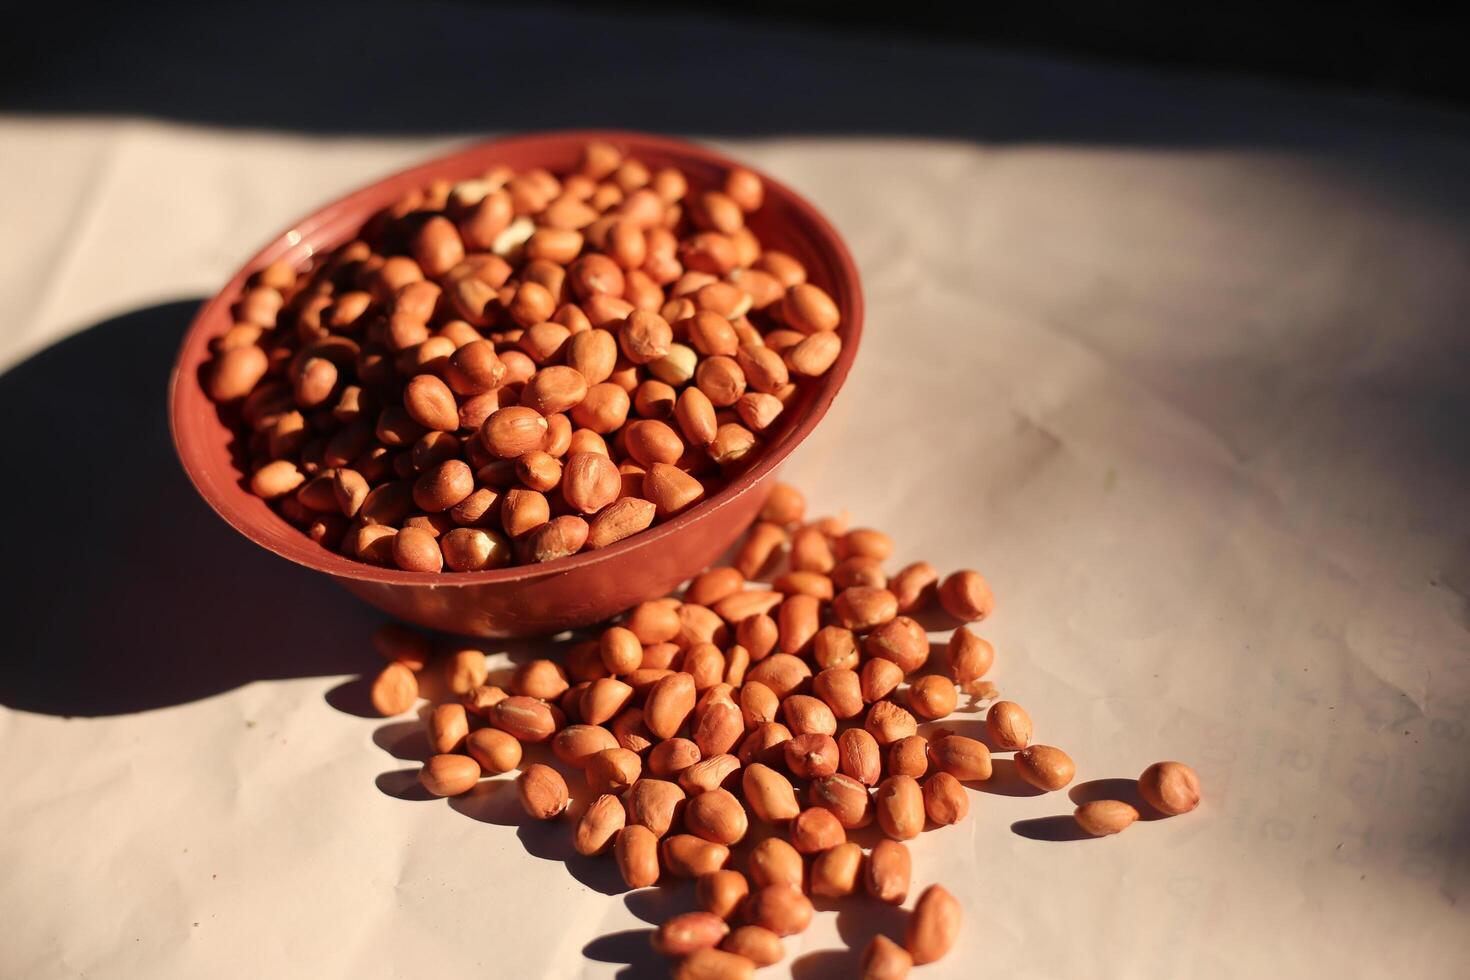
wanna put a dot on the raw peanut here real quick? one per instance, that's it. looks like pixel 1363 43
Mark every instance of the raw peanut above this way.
pixel 539 471
pixel 603 699
pixel 966 759
pixel 814 355
pixel 618 520
pixel 399 644
pixel 613 770
pixel 784 506
pixel 899 806
pixel 416 550
pixel 576 744
pixel 970 657
pixel 599 826
pixel 712 335
pixel 732 442
pixel 1044 766
pixel 630 731
pixel 934 925
pixel 527 719
pixel 695 414
pixel 713 585
pixel 560 537
pixel 845 797
pixel 691 931
pixel 782 673
pixel 653 399
pixel 687 856
pixel 879 678
pixel 757 410
pixel 933 696
pixel 783 909
pixel 815 830
pixel 885 959
pixel 805 583
pixel 512 432
pixel 394 690
pixel 1103 817
pixel 469 549
pixel 811 755
pixel 465 670
pixel 449 775
pixel 859 572
pixel 1170 787
pixel 798 620
pixel 836 871
pixel 655 804
pixel 699 625
pixel 718 730
pixel 945 800
pixel 768 793
pixel 480 700
pixel 590 482
pixel 888 723
pixel 862 609
pixel 737 662
pixel 672 756
pixel 642 679
pixel 668 704
pixel 865 542
pixel 496 751
pixel 645 337
pixel 675 368
pixel 762 543
pixel 448 726
pixel 858 756
pixel 758 634
pixel 350 490
pixel 759 945
pixel 716 815
pixel 914 586
pixel 650 441
pixel 811 552
pixel 236 372
pixel 805 714
pixel 1008 725
pixel 721 892
pixel 373 544
pixel 430 403
pixel 888 873
pixel 707 774
pixel 835 647
pixel 909 756
pixel 636 850
pixel 775 862
pixel 542 791
pixel 592 354
pixel 741 605
pixel 758 703
pixel 276 479
pixel 670 489
pixel 901 640
pixel 620 650
pixel 842 691
pixel 474 368
pixel 543 679
pixel 761 367
pixel 714 964
pixel 808 309
pixel 966 596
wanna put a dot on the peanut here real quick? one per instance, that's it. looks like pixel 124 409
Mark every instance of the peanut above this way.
pixel 542 791
pixel 599 826
pixel 449 775
pixel 1170 787
pixel 1044 766
pixel 884 959
pixel 1008 726
pixel 1103 817
pixel 934 925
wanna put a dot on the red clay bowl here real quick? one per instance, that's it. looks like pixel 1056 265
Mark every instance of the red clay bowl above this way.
pixel 530 599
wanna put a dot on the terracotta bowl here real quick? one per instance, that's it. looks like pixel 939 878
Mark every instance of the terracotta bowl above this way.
pixel 530 599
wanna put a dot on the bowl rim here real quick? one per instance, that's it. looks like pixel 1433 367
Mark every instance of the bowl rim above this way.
pixel 297 238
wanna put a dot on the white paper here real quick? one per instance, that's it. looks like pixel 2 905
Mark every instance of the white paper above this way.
pixel 1197 414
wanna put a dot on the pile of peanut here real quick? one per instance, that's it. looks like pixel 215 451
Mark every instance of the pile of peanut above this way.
pixel 795 706
pixel 515 368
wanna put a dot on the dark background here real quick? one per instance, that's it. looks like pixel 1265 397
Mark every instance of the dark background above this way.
pixel 765 67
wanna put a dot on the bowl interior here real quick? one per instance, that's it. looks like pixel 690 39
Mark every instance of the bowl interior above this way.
pixel 785 221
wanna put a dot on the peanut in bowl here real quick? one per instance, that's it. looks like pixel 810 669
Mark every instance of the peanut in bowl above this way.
pixel 579 564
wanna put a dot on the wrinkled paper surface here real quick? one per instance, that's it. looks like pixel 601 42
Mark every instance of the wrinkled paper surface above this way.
pixel 1198 414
